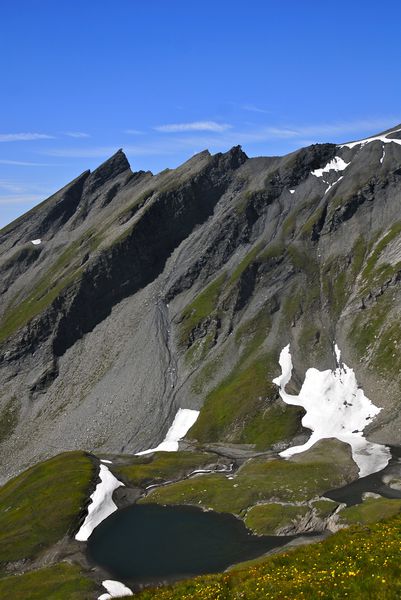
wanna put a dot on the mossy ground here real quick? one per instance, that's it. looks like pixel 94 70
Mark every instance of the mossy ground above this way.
pixel 370 511
pixel 202 307
pixel 268 519
pixel 43 504
pixel 60 582
pixel 261 480
pixel 162 466
pixel 205 374
pixel 358 563
pixel 244 409
pixel 251 334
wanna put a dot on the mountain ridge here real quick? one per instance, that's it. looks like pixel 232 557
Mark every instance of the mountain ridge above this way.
pixel 148 293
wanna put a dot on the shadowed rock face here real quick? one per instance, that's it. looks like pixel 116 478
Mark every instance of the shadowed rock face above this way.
pixel 147 293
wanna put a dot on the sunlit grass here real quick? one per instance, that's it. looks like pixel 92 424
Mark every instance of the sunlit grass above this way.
pixel 354 563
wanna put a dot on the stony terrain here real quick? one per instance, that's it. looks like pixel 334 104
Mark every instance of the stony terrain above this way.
pixel 127 296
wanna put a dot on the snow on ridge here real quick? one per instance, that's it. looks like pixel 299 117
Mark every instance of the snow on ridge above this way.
pixel 337 164
pixel 335 408
pixel 381 138
pixel 115 589
pixel 102 504
pixel 183 421
pixel 36 242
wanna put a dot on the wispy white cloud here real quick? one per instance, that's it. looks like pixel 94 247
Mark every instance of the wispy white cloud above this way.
pixel 294 136
pixel 194 126
pixel 76 134
pixel 22 163
pixel 255 109
pixel 11 186
pixel 134 132
pixel 297 135
pixel 24 137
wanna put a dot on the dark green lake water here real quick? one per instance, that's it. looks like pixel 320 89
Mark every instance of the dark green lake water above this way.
pixel 150 543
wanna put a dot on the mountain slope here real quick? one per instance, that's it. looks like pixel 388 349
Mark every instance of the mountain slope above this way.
pixel 150 293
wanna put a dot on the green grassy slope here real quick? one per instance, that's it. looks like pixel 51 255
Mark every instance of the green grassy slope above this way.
pixel 244 409
pixel 60 582
pixel 43 504
pixel 261 480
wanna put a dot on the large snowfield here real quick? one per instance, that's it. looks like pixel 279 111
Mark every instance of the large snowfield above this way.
pixel 335 408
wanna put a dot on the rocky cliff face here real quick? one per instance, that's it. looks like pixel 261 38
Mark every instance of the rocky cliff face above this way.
pixel 143 294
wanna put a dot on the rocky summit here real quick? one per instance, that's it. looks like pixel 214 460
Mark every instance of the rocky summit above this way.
pixel 127 296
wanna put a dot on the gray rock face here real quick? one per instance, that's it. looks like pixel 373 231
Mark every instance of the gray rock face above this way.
pixel 148 291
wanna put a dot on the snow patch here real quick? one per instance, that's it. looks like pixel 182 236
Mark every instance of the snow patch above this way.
pixel 115 589
pixel 106 462
pixel 183 421
pixel 36 242
pixel 102 503
pixel 337 352
pixel 337 164
pixel 292 191
pixel 381 138
pixel 335 408
pixel 383 155
pixel 332 184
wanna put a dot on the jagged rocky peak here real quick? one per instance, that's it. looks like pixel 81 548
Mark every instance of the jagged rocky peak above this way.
pixel 111 168
pixel 147 292
pixel 235 157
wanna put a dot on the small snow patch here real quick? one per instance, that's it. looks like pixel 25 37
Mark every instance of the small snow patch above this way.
pixel 337 164
pixel 335 408
pixel 102 503
pixel 36 242
pixel 292 191
pixel 106 462
pixel 332 184
pixel 115 589
pixel 183 421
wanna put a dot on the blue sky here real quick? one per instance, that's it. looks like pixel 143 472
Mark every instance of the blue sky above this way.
pixel 164 79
